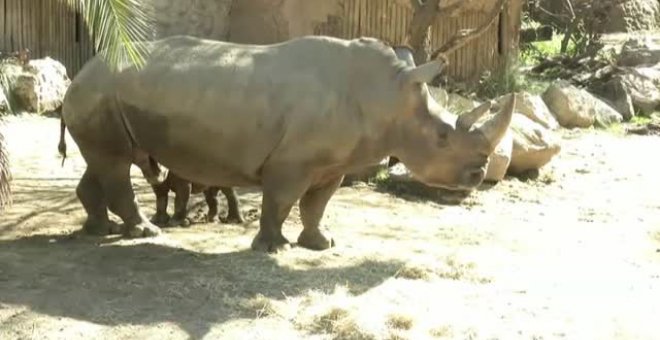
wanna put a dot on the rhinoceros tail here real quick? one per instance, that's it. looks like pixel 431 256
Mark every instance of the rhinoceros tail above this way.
pixel 61 147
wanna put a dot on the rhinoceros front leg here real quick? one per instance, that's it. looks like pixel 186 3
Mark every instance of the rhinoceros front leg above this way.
pixel 90 193
pixel 281 189
pixel 116 183
pixel 233 211
pixel 312 206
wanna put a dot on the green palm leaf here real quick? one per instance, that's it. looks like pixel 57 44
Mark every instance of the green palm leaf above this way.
pixel 116 26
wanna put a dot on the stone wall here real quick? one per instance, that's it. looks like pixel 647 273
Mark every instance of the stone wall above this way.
pixel 202 18
pixel 244 21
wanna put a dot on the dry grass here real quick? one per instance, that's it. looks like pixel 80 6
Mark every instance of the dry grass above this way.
pixel 441 332
pixel 400 321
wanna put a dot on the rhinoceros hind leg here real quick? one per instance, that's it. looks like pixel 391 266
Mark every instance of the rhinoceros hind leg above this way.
pixel 182 190
pixel 211 198
pixel 312 206
pixel 233 211
pixel 281 189
pixel 116 183
pixel 90 194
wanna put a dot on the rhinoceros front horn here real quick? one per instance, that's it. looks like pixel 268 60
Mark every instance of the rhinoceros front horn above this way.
pixel 495 128
pixel 466 120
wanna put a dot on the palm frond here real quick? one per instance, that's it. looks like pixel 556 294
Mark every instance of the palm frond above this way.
pixel 117 27
pixel 5 175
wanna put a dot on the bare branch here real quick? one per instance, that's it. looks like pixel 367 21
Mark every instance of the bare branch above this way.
pixel 465 36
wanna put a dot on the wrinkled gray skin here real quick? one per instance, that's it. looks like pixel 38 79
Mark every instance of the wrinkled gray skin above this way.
pixel 291 118
pixel 182 190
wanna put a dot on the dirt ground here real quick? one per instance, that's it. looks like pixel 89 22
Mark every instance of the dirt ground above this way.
pixel 572 255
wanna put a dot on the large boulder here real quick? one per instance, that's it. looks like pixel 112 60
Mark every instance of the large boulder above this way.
pixel 500 159
pixel 643 90
pixel 534 108
pixel 616 93
pixel 632 15
pixel 575 107
pixel 639 51
pixel 459 104
pixel 41 86
pixel 533 145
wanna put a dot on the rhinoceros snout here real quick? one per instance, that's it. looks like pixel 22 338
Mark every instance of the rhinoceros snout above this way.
pixel 473 178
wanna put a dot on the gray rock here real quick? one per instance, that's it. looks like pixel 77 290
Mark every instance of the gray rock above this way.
pixel 639 51
pixel 575 107
pixel 499 160
pixel 615 93
pixel 643 91
pixel 41 86
pixel 533 145
pixel 632 15
pixel 535 109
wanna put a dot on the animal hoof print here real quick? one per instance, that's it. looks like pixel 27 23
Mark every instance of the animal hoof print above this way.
pixel 143 230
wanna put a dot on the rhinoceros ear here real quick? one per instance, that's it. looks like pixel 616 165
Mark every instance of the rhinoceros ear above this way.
pixel 466 120
pixel 424 73
pixel 405 54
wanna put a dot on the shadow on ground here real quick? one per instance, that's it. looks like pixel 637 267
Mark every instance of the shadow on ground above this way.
pixel 96 280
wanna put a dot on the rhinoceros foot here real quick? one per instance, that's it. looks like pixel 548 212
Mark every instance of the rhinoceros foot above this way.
pixel 233 218
pixel 144 229
pixel 178 222
pixel 211 218
pixel 160 219
pixel 100 228
pixel 314 239
pixel 270 244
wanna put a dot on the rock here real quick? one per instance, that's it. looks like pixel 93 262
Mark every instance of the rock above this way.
pixel 42 85
pixel 615 93
pixel 401 181
pixel 459 104
pixel 500 159
pixel 533 145
pixel 575 107
pixel 639 51
pixel 440 95
pixel 534 108
pixel 643 91
pixel 632 15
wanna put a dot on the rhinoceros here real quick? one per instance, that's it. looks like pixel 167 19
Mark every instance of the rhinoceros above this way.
pixel 291 118
pixel 182 189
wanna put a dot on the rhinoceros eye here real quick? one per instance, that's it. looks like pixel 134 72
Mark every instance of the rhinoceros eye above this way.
pixel 443 135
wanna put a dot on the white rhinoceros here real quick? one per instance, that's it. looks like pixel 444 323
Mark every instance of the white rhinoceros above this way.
pixel 291 118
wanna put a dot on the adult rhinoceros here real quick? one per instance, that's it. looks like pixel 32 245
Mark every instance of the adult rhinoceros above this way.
pixel 291 118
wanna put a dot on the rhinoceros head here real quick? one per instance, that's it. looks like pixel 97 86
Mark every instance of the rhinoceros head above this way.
pixel 436 151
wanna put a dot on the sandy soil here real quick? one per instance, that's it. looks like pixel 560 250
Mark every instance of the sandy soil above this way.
pixel 573 255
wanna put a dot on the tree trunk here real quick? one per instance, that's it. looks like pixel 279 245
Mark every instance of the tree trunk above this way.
pixel 419 31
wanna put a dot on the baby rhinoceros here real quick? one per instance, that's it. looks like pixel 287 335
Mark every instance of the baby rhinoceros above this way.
pixel 182 189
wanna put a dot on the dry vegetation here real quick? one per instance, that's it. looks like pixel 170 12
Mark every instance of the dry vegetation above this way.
pixel 574 254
